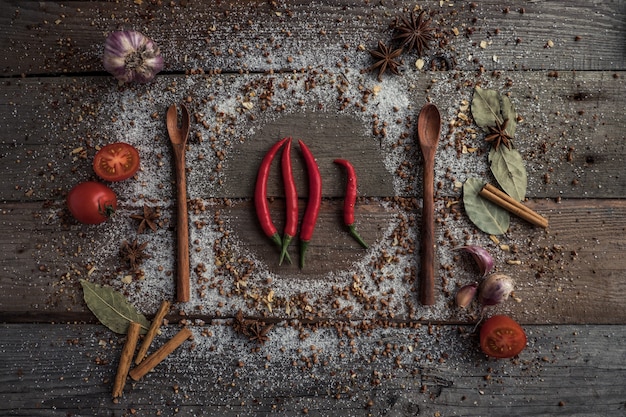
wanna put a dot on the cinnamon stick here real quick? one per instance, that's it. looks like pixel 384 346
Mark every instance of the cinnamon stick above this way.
pixel 505 201
pixel 154 359
pixel 154 328
pixel 132 335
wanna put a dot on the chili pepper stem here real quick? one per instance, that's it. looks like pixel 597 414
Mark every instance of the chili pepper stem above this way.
pixel 283 252
pixel 304 244
pixel 279 242
pixel 356 236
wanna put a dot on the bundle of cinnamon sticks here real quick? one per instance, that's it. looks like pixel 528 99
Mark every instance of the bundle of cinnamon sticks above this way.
pixel 145 364
pixel 510 204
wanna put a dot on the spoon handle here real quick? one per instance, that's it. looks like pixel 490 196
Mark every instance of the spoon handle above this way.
pixel 427 250
pixel 182 227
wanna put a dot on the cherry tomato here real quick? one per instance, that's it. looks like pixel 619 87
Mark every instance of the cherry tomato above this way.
pixel 502 337
pixel 91 202
pixel 116 162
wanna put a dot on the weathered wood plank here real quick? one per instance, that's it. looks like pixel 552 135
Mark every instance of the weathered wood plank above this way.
pixel 49 370
pixel 54 37
pixel 572 137
pixel 568 274
pixel 349 337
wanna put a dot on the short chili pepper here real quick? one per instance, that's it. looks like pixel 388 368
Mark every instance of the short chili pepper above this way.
pixel 260 195
pixel 315 200
pixel 350 200
pixel 291 201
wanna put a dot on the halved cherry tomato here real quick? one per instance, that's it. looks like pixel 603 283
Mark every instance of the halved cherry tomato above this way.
pixel 502 337
pixel 116 162
pixel 91 202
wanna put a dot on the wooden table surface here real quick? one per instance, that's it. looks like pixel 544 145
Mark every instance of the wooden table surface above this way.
pixel 349 337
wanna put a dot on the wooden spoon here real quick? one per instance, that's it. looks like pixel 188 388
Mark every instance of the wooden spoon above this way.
pixel 178 138
pixel 428 132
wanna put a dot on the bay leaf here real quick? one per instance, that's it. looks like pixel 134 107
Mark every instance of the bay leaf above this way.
pixel 487 216
pixel 508 113
pixel 486 107
pixel 508 168
pixel 111 308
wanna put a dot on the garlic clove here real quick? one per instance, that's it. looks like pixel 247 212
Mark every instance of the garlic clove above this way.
pixel 131 56
pixel 466 294
pixel 482 258
pixel 495 289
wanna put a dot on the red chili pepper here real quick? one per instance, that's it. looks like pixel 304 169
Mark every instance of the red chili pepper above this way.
pixel 350 200
pixel 291 201
pixel 315 200
pixel 260 195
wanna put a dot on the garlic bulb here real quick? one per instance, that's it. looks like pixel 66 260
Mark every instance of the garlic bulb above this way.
pixel 495 289
pixel 131 56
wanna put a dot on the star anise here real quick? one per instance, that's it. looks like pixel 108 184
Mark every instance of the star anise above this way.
pixel 147 219
pixel 258 332
pixel 385 57
pixel 414 32
pixel 498 135
pixel 133 253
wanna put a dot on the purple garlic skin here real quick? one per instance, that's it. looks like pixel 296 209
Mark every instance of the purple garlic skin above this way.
pixel 131 56
pixel 495 289
pixel 481 256
pixel 466 294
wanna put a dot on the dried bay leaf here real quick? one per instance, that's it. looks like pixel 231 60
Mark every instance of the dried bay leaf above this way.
pixel 508 168
pixel 111 308
pixel 486 107
pixel 489 106
pixel 487 216
pixel 508 113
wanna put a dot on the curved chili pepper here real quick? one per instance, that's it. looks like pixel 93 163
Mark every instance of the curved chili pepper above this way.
pixel 260 195
pixel 350 200
pixel 291 201
pixel 315 200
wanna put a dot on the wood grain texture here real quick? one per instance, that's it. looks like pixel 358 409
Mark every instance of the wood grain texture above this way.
pixel 69 369
pixel 578 258
pixel 52 37
pixel 349 336
pixel 572 138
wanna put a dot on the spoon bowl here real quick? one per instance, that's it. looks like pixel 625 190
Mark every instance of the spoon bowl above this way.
pixel 429 128
pixel 428 132
pixel 178 135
